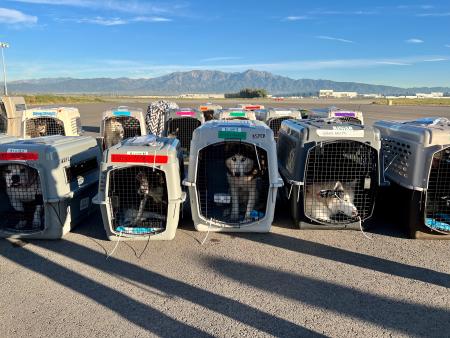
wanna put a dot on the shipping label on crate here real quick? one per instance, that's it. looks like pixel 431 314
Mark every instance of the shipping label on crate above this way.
pixel 340 131
pixel 232 133
pixel 121 113
pixel 44 113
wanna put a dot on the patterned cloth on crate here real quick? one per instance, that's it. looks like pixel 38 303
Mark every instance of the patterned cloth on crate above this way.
pixel 156 116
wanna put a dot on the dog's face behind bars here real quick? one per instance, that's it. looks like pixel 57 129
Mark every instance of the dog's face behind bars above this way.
pixel 239 165
pixel 18 176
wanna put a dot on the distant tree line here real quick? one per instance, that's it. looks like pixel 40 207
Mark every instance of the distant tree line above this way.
pixel 247 93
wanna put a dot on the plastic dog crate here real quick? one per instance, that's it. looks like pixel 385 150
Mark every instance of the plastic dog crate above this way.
pixel 331 171
pixel 121 123
pixel 209 110
pixel 274 116
pixel 417 161
pixel 140 189
pixel 181 123
pixel 11 108
pixel 46 185
pixel 233 176
pixel 236 114
pixel 7 139
pixel 39 122
pixel 347 116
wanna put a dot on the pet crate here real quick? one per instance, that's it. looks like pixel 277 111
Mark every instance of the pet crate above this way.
pixel 251 107
pixel 331 172
pixel 233 176
pixel 7 139
pixel 236 114
pixel 274 116
pixel 347 116
pixel 47 185
pixel 417 161
pixel 209 110
pixel 39 122
pixel 121 123
pixel 140 193
pixel 11 109
pixel 181 123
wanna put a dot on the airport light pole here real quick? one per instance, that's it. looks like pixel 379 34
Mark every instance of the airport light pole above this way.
pixel 4 45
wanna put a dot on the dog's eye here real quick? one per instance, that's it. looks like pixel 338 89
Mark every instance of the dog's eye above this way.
pixel 8 171
pixel 234 159
pixel 243 159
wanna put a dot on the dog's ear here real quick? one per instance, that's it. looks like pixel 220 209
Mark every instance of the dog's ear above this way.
pixel 354 183
pixel 338 186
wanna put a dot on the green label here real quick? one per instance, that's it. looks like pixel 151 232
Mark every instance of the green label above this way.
pixel 237 114
pixel 240 135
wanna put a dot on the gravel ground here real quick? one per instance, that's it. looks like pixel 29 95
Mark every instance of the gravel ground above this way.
pixel 286 283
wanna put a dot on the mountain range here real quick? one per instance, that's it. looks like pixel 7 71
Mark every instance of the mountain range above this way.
pixel 204 81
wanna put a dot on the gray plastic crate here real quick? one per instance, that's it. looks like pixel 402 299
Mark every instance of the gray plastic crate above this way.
pixel 47 184
pixel 181 123
pixel 233 176
pixel 121 123
pixel 417 160
pixel 273 117
pixel 7 139
pixel 208 110
pixel 346 115
pixel 331 170
pixel 140 189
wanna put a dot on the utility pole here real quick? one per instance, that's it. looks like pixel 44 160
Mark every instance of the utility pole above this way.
pixel 4 45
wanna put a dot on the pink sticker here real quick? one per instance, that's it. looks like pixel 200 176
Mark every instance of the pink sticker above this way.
pixel 186 113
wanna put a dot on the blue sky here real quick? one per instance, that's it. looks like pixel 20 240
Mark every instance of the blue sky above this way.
pixel 403 43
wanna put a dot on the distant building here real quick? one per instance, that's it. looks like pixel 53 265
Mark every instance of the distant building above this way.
pixel 329 93
pixel 430 96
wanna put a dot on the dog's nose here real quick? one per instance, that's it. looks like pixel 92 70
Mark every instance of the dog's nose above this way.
pixel 237 174
pixel 15 178
pixel 354 212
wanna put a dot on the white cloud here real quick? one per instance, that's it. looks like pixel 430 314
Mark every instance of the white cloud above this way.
pixel 443 14
pixel 129 6
pixel 220 58
pixel 414 40
pixel 394 63
pixel 296 18
pixel 435 60
pixel 12 16
pixel 103 21
pixel 349 13
pixel 324 37
pixel 150 19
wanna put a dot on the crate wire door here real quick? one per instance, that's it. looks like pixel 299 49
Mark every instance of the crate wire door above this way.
pixel 232 183
pixel 139 200
pixel 340 182
pixel 437 205
pixel 44 126
pixel 112 129
pixel 182 128
pixel 21 206
pixel 275 124
pixel 3 119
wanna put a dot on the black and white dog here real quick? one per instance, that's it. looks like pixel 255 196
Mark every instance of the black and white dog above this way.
pixel 22 186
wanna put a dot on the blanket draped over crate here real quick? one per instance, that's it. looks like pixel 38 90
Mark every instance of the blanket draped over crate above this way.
pixel 156 115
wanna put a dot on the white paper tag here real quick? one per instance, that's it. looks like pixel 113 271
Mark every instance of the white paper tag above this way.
pixel 137 152
pixel 17 150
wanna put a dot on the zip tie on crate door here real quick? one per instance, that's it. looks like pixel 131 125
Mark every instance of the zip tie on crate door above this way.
pixel 207 234
pixel 387 167
pixel 115 247
pixel 257 156
pixel 362 230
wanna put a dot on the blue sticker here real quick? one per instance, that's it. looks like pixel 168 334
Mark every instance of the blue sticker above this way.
pixel 44 113
pixel 121 113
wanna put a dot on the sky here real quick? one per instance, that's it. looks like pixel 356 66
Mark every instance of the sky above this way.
pixel 392 42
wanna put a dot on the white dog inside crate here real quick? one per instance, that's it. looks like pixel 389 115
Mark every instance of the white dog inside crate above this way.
pixel 326 201
pixel 114 132
pixel 23 186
